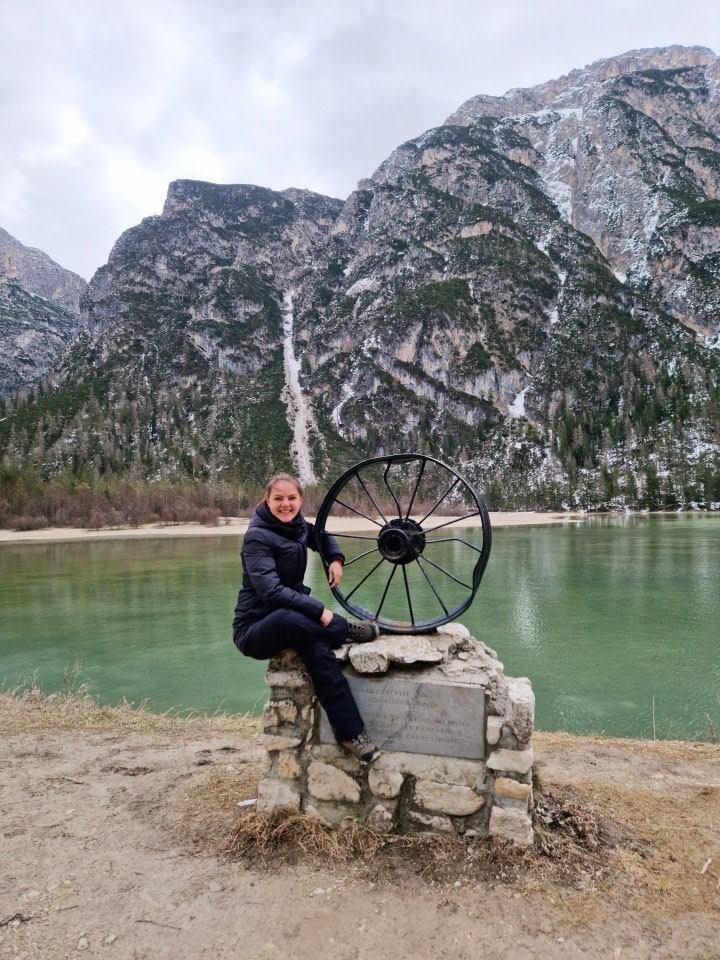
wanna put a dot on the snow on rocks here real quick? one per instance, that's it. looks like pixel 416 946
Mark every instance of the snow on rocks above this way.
pixel 299 413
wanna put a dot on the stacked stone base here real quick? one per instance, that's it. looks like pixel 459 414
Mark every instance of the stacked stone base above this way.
pixel 405 792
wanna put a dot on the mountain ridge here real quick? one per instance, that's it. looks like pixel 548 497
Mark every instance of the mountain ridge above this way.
pixel 529 293
pixel 39 312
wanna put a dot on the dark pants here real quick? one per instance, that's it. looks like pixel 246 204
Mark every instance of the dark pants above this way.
pixel 314 644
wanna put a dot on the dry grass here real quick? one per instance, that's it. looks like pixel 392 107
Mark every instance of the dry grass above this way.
pixel 435 859
pixel 575 847
pixel 298 836
pixel 211 807
pixel 27 709
pixel 682 831
pixel 671 750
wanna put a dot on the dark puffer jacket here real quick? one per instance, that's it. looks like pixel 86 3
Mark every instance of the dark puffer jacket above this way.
pixel 274 557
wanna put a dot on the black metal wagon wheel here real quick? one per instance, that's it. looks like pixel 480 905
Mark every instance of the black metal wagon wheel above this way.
pixel 412 560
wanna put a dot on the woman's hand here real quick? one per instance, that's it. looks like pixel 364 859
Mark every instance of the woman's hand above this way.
pixel 326 617
pixel 335 572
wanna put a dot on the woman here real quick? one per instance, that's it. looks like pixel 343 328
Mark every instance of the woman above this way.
pixel 275 611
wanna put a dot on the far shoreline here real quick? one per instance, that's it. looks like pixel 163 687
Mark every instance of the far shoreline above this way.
pixel 237 526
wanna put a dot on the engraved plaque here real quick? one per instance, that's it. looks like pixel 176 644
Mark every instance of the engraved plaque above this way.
pixel 417 717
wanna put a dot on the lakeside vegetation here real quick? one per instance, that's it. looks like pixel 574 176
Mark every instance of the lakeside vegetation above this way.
pixel 27 502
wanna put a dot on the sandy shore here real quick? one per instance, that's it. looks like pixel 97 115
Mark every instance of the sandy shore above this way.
pixel 236 526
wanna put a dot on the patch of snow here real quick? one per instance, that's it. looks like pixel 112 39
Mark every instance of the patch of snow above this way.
pixel 679 292
pixel 620 276
pixel 370 343
pixel 517 407
pixel 562 277
pixel 365 283
pixel 546 116
pixel 347 394
pixel 556 139
pixel 700 447
pixel 544 244
pixel 299 415
pixel 651 219
pixel 560 193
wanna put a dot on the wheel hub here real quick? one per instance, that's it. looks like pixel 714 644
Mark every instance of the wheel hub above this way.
pixel 401 541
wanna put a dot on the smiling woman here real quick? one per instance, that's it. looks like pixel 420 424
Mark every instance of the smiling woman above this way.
pixel 275 611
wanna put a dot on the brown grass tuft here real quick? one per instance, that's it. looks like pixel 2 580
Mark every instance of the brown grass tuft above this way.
pixel 298 835
pixel 28 709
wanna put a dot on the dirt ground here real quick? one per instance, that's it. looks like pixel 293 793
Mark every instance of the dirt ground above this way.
pixel 111 822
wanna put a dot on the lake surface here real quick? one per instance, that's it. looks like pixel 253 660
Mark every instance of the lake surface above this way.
pixel 615 621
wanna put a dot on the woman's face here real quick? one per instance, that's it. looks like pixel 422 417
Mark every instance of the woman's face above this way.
pixel 284 501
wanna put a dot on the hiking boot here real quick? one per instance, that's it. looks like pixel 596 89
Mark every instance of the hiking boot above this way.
pixel 362 747
pixel 362 631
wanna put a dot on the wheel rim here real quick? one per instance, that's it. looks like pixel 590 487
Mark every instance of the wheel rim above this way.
pixel 419 560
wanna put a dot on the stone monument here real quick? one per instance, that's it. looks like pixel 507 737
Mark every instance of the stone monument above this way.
pixel 454 731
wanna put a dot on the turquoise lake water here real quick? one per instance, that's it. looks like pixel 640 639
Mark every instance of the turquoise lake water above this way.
pixel 615 621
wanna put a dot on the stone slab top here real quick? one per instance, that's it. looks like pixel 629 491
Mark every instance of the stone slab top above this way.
pixel 450 655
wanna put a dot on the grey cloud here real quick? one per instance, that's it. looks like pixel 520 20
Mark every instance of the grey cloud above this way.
pixel 310 95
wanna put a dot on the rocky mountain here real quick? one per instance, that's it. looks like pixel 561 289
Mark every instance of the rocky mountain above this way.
pixel 39 312
pixel 529 291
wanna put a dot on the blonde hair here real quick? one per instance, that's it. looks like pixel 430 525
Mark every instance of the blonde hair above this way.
pixel 283 478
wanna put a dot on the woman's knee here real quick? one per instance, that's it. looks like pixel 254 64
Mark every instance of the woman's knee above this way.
pixel 319 657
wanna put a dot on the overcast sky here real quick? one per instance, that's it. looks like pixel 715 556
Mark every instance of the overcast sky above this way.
pixel 103 104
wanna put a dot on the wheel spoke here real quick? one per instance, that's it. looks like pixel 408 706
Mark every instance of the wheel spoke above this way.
pixel 358 512
pixel 447 573
pixel 366 577
pixel 449 490
pixel 385 591
pixel 455 540
pixel 392 494
pixel 414 493
pixel 448 523
pixel 407 593
pixel 369 495
pixel 360 556
pixel 432 587
pixel 354 536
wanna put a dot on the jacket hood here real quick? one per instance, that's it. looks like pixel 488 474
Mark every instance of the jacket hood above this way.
pixel 294 530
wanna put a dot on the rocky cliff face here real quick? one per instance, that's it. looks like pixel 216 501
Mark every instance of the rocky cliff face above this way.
pixel 182 335
pixel 628 151
pixel 532 288
pixel 39 312
pixel 530 291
